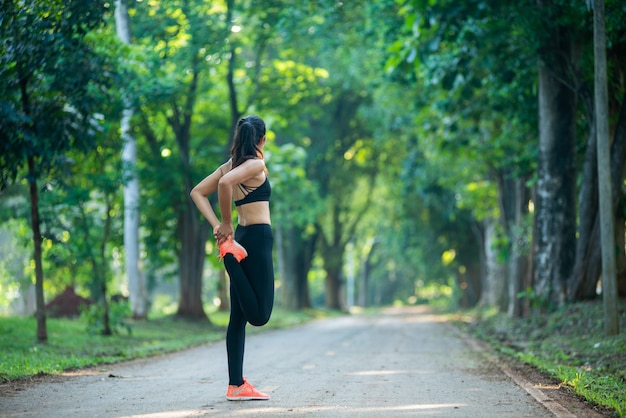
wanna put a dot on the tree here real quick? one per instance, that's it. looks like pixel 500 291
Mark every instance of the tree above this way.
pixel 609 284
pixel 295 206
pixel 484 33
pixel 207 60
pixel 464 64
pixel 587 269
pixel 47 68
pixel 182 40
pixel 341 153
pixel 555 201
pixel 79 220
pixel 136 282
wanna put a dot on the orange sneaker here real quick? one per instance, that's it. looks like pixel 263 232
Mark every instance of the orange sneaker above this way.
pixel 245 392
pixel 230 246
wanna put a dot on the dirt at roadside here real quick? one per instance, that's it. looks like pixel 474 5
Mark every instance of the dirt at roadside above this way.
pixel 555 390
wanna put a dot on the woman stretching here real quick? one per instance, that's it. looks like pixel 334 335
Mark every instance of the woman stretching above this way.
pixel 248 255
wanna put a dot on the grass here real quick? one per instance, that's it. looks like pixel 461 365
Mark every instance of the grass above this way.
pixel 568 345
pixel 70 346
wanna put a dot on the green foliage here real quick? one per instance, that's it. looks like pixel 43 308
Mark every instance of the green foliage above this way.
pixel 468 69
pixel 49 76
pixel 119 312
pixel 296 200
pixel 402 115
pixel 82 216
pixel 47 71
pixel 438 295
pixel 14 257
pixel 472 68
pixel 535 301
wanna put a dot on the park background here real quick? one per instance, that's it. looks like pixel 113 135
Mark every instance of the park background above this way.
pixel 419 151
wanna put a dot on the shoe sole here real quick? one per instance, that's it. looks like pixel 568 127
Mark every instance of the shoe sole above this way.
pixel 247 398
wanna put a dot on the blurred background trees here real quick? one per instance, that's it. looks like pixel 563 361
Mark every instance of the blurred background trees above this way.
pixel 417 149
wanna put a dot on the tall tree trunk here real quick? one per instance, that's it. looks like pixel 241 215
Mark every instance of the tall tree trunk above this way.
pixel 332 252
pixel 294 262
pixel 620 243
pixel 222 290
pixel 303 262
pixel 584 280
pixel 136 281
pixel 618 163
pixel 40 307
pixel 494 283
pixel 362 299
pixel 333 287
pixel 479 233
pixel 287 253
pixel 40 313
pixel 589 260
pixel 605 195
pixel 192 236
pixel 103 262
pixel 508 201
pixel 470 283
pixel 515 208
pixel 192 232
pixel 555 243
pixel 284 254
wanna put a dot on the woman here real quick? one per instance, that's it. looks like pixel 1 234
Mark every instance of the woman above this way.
pixel 248 256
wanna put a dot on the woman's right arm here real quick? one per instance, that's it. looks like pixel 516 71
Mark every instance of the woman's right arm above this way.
pixel 203 189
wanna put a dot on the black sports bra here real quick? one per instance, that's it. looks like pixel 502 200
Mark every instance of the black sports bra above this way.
pixel 255 194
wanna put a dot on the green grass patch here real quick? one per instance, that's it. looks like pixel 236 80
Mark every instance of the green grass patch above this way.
pixel 569 345
pixel 70 346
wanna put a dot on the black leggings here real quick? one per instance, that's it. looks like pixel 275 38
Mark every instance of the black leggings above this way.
pixel 251 292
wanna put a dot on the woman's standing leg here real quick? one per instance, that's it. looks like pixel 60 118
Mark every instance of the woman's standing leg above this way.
pixel 235 340
pixel 251 292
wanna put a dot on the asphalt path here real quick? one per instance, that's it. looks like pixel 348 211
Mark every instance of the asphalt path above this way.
pixel 402 363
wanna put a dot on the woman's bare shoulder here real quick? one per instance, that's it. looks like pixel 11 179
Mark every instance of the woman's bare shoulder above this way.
pixel 254 164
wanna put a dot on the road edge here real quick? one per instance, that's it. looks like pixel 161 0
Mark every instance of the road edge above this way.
pixel 540 396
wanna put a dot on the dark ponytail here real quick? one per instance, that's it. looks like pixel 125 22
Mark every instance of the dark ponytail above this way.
pixel 248 135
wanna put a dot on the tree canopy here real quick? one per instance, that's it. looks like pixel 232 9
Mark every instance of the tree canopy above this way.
pixel 413 145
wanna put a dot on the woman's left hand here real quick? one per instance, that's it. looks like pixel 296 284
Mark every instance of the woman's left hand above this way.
pixel 222 232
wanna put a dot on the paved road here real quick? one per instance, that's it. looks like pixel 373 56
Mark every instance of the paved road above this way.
pixel 404 363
